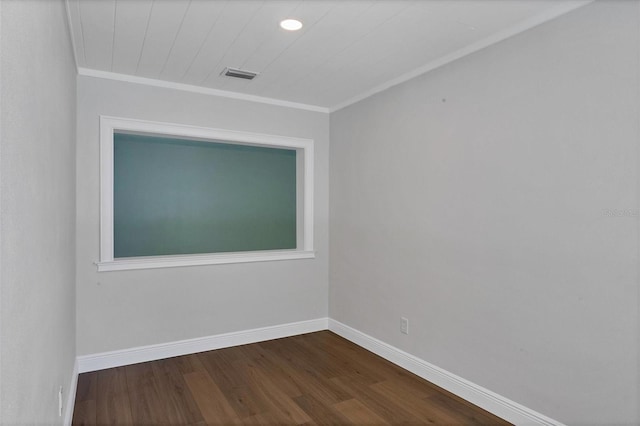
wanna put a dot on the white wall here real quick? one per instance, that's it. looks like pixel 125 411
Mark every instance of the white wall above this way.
pixel 125 309
pixel 472 201
pixel 37 198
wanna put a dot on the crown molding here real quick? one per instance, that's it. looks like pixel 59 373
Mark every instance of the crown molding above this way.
pixel 468 50
pixel 525 25
pixel 87 72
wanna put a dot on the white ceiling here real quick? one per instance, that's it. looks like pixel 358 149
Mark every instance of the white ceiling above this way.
pixel 347 49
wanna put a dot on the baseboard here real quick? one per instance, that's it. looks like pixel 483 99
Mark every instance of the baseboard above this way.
pixel 483 398
pixel 71 395
pixel 119 358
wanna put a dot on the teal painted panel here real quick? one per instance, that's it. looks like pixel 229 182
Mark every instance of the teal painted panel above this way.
pixel 174 196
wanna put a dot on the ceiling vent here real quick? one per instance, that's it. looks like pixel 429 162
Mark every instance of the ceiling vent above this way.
pixel 233 72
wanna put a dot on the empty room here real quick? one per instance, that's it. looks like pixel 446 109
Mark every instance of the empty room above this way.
pixel 319 212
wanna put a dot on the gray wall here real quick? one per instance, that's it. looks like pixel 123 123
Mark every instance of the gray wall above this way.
pixel 473 200
pixel 125 309
pixel 37 196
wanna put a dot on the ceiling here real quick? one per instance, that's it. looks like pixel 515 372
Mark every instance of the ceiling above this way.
pixel 346 50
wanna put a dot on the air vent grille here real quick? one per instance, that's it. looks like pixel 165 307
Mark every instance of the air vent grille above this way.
pixel 233 72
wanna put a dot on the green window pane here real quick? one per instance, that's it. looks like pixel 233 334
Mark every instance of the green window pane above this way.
pixel 175 196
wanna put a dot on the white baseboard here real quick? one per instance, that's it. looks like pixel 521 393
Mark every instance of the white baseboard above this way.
pixel 71 395
pixel 483 398
pixel 122 357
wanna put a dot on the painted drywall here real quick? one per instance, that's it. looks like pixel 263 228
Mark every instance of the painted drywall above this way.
pixel 493 202
pixel 37 222
pixel 125 309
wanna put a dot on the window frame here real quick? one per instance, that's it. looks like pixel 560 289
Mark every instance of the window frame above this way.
pixel 304 182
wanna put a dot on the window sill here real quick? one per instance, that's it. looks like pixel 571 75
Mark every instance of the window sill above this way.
pixel 153 262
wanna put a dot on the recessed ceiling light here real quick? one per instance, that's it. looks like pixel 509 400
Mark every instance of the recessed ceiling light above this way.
pixel 291 24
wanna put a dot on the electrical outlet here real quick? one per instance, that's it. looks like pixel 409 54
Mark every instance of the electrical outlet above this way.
pixel 404 325
pixel 60 402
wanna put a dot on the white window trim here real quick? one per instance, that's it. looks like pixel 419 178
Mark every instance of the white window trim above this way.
pixel 109 125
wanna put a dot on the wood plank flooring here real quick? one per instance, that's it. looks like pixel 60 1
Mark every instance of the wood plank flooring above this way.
pixel 312 379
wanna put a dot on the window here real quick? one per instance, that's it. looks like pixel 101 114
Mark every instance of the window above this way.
pixel 177 195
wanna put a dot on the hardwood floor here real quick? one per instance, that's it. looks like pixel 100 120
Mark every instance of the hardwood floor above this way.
pixel 317 378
